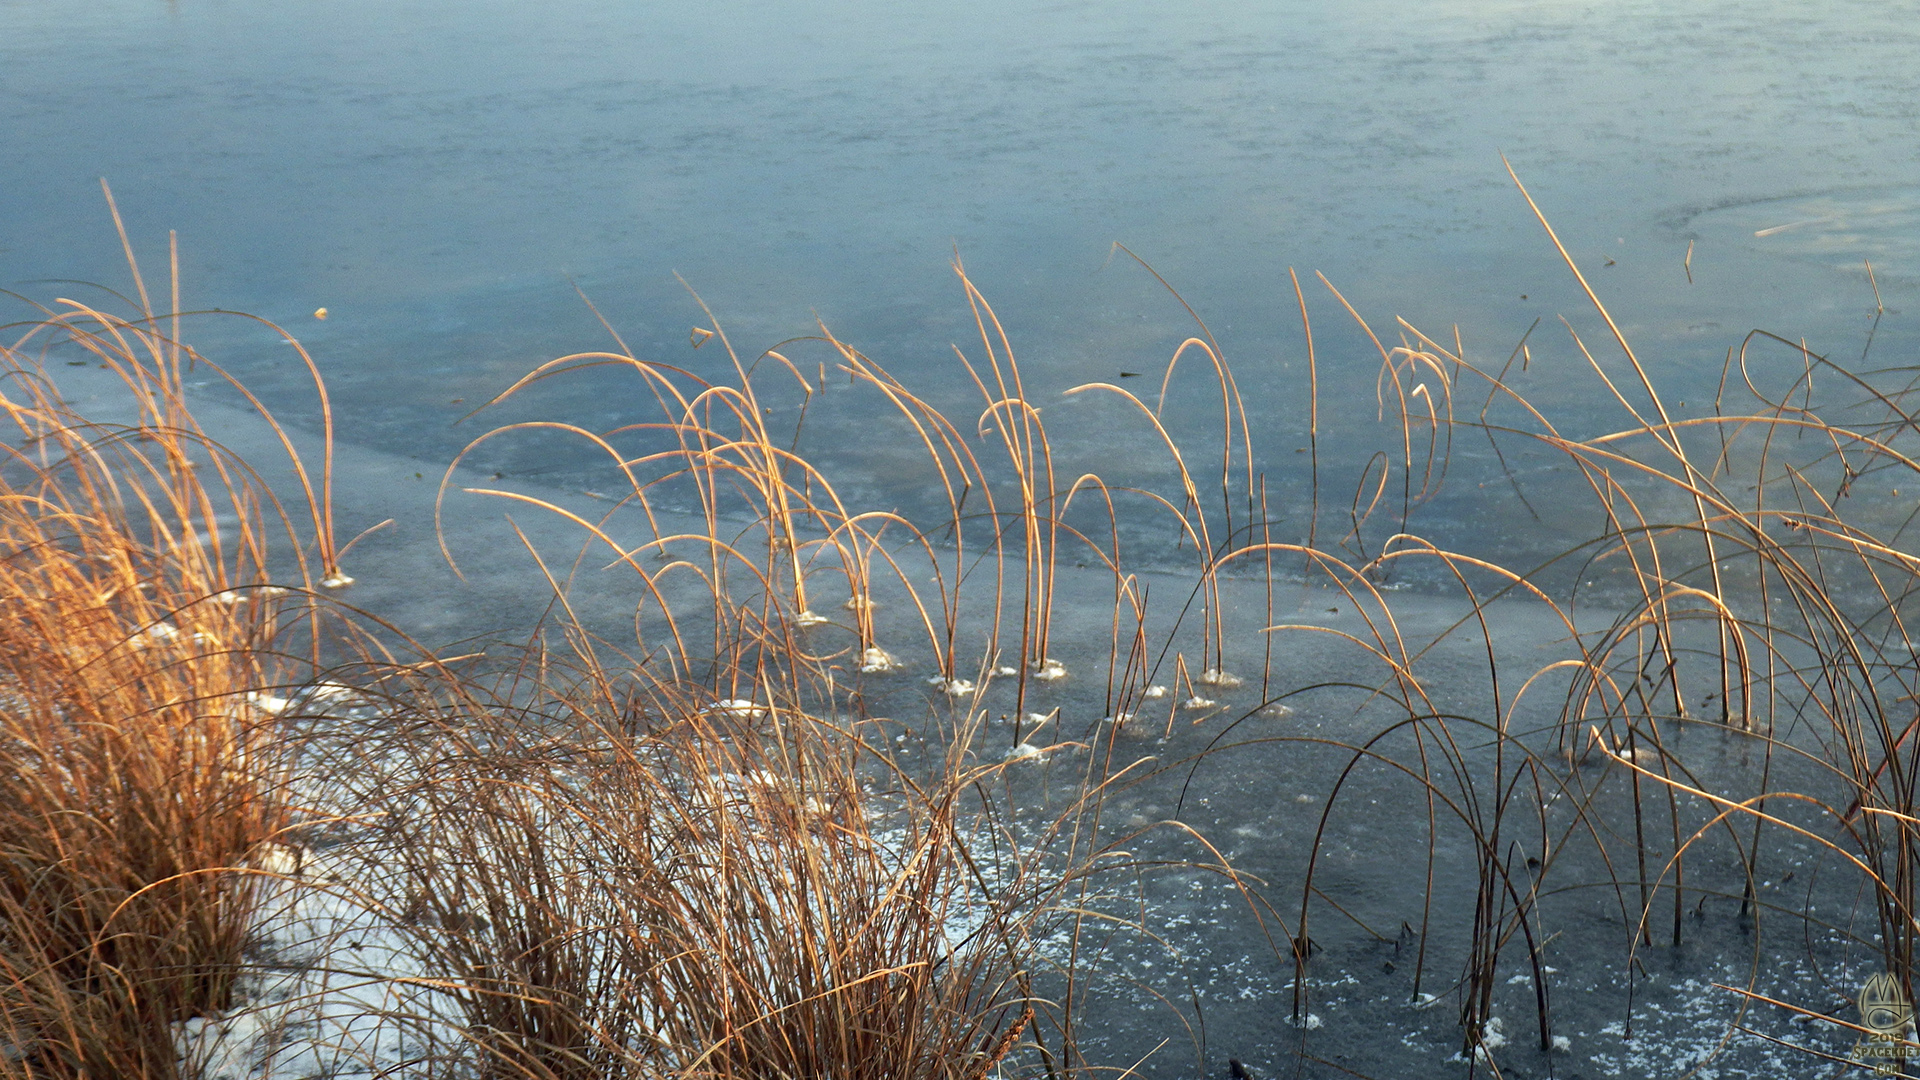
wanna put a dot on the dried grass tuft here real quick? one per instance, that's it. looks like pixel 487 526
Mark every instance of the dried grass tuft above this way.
pixel 138 777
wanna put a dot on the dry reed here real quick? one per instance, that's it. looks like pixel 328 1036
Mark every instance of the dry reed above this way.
pixel 700 853
pixel 141 778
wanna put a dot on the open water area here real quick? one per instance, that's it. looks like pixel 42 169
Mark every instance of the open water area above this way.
pixel 453 183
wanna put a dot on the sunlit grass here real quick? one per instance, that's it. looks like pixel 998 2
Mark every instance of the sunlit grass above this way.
pixel 142 776
pixel 708 849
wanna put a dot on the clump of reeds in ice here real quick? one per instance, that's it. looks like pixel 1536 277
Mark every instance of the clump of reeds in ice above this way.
pixel 142 772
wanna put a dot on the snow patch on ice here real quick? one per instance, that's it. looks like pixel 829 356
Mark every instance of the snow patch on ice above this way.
pixel 737 709
pixel 1028 752
pixel 875 660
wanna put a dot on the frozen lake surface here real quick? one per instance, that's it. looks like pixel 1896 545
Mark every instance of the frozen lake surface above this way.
pixel 433 175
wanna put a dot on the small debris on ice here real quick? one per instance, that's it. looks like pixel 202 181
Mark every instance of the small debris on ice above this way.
pixel 1622 751
pixel 332 691
pixel 737 709
pixel 233 597
pixel 1049 670
pixel 1562 1044
pixel 1034 719
pixel 875 660
pixel 952 687
pixel 810 617
pixel 335 580
pixel 1027 751
pixel 1277 711
pixel 1642 756
pixel 1220 677
pixel 1196 703
pixel 281 860
pixel 1491 1038
pixel 271 704
pixel 1005 672
pixel 857 602
pixel 1155 692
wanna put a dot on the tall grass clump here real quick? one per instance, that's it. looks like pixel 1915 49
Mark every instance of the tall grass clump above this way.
pixel 652 887
pixel 142 779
